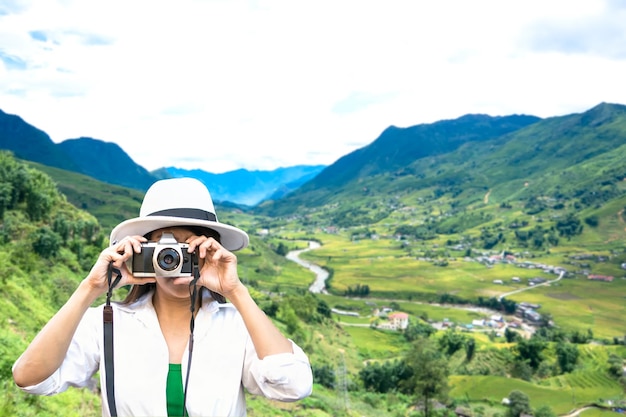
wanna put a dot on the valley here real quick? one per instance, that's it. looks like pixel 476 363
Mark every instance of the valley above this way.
pixel 454 224
pixel 523 321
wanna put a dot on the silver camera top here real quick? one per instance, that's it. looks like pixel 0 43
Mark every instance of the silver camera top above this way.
pixel 165 258
pixel 167 239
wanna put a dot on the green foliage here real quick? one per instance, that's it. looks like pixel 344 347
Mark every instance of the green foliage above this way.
pixel 569 227
pixel 110 204
pixel 281 249
pixel 567 356
pixel 287 315
pixel 530 351
pixel 386 376
pixel 544 411
pixel 615 366
pixel 357 291
pixel 72 403
pixel 418 329
pixel 26 188
pixel 324 374
pixel 429 373
pixel 470 349
pixel 11 346
pixel 511 335
pixel 46 242
pixel 40 271
pixel 452 341
pixel 423 232
pixel 519 404
pixel 592 220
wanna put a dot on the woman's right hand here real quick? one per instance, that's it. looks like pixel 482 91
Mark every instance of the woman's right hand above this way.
pixel 117 253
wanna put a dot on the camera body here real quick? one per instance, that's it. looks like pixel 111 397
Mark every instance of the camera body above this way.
pixel 165 258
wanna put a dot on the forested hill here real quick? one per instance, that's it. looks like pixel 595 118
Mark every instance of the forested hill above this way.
pixel 46 246
pixel 396 148
pixel 576 157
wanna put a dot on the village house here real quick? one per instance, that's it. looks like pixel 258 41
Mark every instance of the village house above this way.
pixel 399 320
pixel 605 278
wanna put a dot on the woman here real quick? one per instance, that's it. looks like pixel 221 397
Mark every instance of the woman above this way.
pixel 151 366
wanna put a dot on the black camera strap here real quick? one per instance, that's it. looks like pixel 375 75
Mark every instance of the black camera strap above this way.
pixel 107 317
pixel 193 295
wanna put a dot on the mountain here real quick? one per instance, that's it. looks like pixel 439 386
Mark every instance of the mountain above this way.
pixel 398 147
pixel 28 142
pixel 101 160
pixel 249 187
pixel 109 163
pixel 106 162
pixel 395 150
pixel 577 157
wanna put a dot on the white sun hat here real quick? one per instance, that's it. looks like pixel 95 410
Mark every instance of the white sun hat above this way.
pixel 179 202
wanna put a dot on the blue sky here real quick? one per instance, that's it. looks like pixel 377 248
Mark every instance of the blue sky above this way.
pixel 225 84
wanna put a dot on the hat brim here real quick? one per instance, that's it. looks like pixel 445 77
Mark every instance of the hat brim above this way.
pixel 231 237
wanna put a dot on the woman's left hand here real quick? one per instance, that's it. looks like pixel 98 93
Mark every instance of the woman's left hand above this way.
pixel 218 266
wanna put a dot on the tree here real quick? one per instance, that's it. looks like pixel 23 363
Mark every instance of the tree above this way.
pixel 531 351
pixel 288 316
pixel 384 377
pixel 569 226
pixel 518 404
pixel 470 348
pixel 567 356
pixel 429 379
pixel 6 192
pixel 416 329
pixel 282 249
pixel 544 411
pixel 324 309
pixel 511 335
pixel 616 365
pixel 46 243
pixel 592 221
pixel 324 375
pixel 451 341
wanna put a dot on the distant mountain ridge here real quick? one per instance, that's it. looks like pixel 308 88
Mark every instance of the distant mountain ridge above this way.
pixel 250 187
pixel 397 148
pixel 108 162
pixel 456 158
pixel 32 144
pixel 575 160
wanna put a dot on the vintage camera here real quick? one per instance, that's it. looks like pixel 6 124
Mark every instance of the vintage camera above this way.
pixel 165 258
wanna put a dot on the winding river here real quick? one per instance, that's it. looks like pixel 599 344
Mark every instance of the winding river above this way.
pixel 321 275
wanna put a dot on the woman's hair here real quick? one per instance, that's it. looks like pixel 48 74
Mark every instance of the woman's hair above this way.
pixel 138 291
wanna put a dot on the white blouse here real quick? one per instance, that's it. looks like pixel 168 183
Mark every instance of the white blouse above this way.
pixel 224 361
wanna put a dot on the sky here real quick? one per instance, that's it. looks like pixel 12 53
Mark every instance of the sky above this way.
pixel 220 85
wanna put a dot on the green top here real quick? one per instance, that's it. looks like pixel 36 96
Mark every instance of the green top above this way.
pixel 174 391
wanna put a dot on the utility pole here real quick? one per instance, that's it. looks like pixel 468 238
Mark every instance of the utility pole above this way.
pixel 342 381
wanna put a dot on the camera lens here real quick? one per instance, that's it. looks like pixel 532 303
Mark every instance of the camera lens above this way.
pixel 168 259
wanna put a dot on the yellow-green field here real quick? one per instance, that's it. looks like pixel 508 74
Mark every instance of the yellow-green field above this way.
pixel 562 400
pixel 389 272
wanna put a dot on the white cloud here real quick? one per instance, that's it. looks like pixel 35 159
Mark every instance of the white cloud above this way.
pixel 219 85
